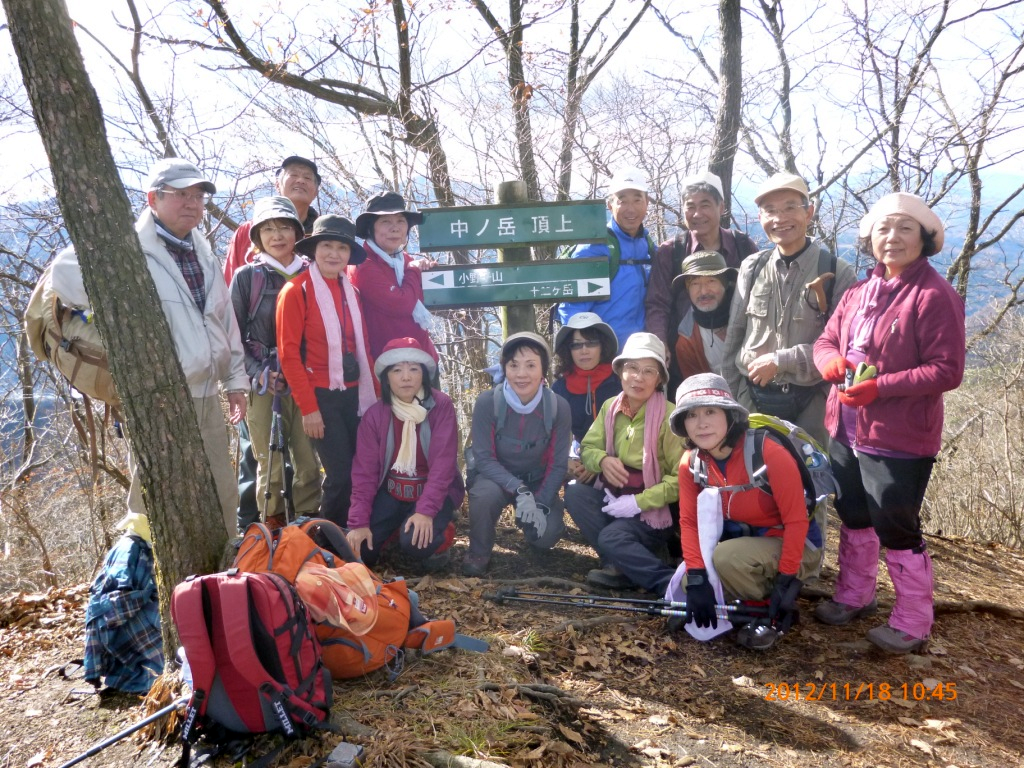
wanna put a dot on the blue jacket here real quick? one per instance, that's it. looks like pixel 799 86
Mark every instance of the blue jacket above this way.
pixel 624 310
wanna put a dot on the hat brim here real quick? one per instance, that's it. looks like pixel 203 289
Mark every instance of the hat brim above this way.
pixel 364 221
pixel 207 186
pixel 564 334
pixel 679 281
pixel 254 229
pixel 621 360
pixel 675 419
pixel 403 355
pixel 307 246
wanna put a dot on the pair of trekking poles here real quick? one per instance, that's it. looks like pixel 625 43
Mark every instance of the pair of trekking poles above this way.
pixel 736 613
pixel 277 444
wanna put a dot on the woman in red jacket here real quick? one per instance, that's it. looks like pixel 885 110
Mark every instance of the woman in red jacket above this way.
pixel 907 322
pixel 767 545
pixel 323 349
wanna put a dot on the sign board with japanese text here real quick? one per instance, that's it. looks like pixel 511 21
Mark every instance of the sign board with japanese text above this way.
pixel 513 225
pixel 533 282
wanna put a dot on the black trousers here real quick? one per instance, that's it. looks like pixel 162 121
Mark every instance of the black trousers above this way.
pixel 883 493
pixel 339 410
pixel 389 516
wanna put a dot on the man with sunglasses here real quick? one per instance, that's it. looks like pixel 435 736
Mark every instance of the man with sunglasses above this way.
pixel 195 300
pixel 776 314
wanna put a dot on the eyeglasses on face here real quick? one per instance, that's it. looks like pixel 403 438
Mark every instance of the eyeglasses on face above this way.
pixel 647 372
pixel 576 346
pixel 273 229
pixel 183 195
pixel 772 212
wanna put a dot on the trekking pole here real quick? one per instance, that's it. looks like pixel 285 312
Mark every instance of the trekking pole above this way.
pixel 734 612
pixel 127 732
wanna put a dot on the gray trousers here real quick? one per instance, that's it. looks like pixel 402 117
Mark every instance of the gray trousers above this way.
pixel 487 500
pixel 627 543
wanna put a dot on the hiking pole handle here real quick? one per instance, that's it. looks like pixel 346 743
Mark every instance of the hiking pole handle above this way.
pixel 127 732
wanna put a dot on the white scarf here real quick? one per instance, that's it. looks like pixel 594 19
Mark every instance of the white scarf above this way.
pixel 410 414
pixel 420 314
pixel 293 268
pixel 335 341
pixel 518 405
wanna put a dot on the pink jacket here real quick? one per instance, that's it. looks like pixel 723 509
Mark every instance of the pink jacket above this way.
pixel 918 346
pixel 444 480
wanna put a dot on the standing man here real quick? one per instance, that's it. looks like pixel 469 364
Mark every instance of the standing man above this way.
pixel 709 285
pixel 629 250
pixel 298 179
pixel 777 313
pixel 195 300
pixel 703 209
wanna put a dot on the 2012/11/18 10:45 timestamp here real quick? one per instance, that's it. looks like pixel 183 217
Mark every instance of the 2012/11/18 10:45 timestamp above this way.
pixel 860 692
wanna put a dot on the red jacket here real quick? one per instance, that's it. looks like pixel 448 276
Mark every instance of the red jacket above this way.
pixel 783 511
pixel 918 346
pixel 387 307
pixel 298 320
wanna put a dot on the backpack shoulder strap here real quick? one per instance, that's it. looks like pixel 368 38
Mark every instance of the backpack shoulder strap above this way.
pixel 257 282
pixel 550 406
pixel 827 262
pixel 614 254
pixel 678 252
pixel 189 616
pixel 500 408
pixel 753 459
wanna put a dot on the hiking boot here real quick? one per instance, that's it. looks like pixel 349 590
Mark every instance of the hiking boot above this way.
pixel 838 614
pixel 608 577
pixel 757 637
pixel 475 566
pixel 893 641
pixel 438 561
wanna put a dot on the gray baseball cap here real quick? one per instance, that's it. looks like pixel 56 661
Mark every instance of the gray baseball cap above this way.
pixel 176 173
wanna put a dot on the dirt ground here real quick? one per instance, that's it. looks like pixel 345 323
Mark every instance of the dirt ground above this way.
pixel 577 687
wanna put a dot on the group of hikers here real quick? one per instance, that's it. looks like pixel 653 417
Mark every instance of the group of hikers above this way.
pixel 315 329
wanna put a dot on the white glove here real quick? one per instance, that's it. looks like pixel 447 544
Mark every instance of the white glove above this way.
pixel 528 513
pixel 620 506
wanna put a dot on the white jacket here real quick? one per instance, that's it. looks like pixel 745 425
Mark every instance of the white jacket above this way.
pixel 208 344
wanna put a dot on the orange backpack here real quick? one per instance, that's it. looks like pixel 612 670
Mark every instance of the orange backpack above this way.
pixel 399 624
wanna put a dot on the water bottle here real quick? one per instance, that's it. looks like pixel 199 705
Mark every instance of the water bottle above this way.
pixel 813 458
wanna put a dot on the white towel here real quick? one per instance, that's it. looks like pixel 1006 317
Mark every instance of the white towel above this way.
pixel 709 531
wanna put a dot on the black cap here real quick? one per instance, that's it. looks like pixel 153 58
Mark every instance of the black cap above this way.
pixel 296 159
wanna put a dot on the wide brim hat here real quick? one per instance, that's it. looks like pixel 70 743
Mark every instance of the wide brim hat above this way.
pixel 702 389
pixel 332 227
pixel 382 205
pixel 274 207
pixel 781 181
pixel 343 597
pixel 403 350
pixel 906 204
pixel 582 320
pixel 640 346
pixel 704 264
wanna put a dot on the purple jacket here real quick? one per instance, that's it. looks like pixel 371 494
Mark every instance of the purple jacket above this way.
pixel 444 480
pixel 918 346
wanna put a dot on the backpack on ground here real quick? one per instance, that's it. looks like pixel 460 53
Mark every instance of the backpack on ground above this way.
pixel 254 658
pixel 68 339
pixel 811 459
pixel 399 624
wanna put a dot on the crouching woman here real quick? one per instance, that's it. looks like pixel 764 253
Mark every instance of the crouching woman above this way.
pixel 405 475
pixel 739 542
pixel 520 451
pixel 625 516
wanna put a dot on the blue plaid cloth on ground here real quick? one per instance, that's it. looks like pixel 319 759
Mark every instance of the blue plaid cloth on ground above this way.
pixel 123 644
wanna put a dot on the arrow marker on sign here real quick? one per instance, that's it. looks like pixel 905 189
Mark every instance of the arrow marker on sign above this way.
pixel 591 287
pixel 438 280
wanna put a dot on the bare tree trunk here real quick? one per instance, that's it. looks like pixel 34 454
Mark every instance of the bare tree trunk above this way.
pixel 730 99
pixel 185 518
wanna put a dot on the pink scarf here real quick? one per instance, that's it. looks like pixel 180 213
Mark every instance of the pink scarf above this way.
pixel 335 343
pixel 656 517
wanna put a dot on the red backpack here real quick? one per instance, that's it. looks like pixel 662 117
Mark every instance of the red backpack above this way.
pixel 254 657
pixel 399 624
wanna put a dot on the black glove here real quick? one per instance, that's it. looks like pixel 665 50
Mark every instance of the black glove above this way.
pixel 783 599
pixel 700 599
